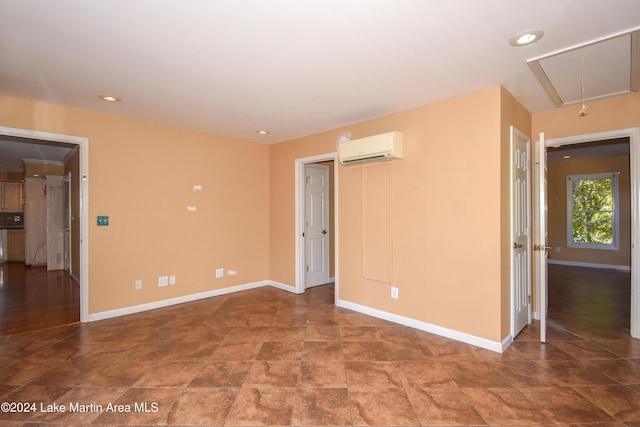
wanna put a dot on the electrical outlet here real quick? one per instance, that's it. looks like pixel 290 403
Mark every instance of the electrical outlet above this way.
pixel 394 292
pixel 172 280
pixel 219 273
pixel 163 281
pixel 138 285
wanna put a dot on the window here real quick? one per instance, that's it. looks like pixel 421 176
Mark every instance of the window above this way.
pixel 592 211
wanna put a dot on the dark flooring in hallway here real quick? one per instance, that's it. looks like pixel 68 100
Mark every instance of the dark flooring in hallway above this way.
pixel 33 299
pixel 590 302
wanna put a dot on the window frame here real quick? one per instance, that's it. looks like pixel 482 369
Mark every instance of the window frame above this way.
pixel 614 245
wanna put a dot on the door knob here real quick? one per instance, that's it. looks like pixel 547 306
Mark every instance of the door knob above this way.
pixel 324 231
pixel 517 246
pixel 541 248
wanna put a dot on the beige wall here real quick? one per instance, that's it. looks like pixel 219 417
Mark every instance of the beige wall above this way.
pixel 431 224
pixel 434 224
pixel 142 175
pixel 614 113
pixel 557 173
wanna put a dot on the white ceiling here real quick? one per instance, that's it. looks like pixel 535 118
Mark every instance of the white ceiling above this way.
pixel 294 67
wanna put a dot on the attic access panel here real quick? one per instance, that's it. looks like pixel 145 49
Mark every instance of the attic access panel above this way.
pixel 611 67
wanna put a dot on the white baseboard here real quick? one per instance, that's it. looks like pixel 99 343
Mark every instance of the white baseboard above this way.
pixel 498 347
pixel 590 265
pixel 281 286
pixel 173 301
pixel 506 343
pixel 187 298
pixel 406 321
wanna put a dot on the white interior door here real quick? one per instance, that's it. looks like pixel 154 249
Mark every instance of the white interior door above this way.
pixel 541 235
pixel 316 233
pixel 521 230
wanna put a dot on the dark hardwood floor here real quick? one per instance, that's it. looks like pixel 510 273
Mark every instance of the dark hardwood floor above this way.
pixel 590 302
pixel 33 299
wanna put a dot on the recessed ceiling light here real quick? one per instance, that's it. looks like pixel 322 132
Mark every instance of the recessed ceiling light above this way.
pixel 566 157
pixel 109 98
pixel 526 37
pixel 262 132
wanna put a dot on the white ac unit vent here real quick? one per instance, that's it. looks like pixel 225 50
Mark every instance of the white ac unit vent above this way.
pixel 385 146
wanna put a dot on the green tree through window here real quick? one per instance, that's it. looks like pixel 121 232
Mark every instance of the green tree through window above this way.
pixel 592 213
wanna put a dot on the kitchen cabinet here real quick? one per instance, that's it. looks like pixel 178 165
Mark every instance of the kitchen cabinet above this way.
pixel 11 196
pixel 15 245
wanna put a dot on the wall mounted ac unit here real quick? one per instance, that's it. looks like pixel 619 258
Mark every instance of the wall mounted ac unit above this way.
pixel 386 146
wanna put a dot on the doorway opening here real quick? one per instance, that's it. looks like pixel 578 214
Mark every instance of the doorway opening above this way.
pixel 80 243
pixel 316 195
pixel 589 230
pixel 608 142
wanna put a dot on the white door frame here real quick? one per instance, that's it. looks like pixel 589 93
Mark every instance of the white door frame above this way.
pixel 634 153
pixel 312 279
pixel 299 216
pixel 83 144
pixel 514 132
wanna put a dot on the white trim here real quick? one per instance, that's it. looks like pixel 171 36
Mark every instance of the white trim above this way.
pixel 615 210
pixel 496 346
pixel 634 156
pixel 83 143
pixel 584 44
pixel 186 298
pixel 299 217
pixel 173 301
pixel 281 286
pixel 506 342
pixel 590 265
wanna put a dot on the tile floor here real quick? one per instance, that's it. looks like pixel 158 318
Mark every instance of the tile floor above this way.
pixel 267 357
